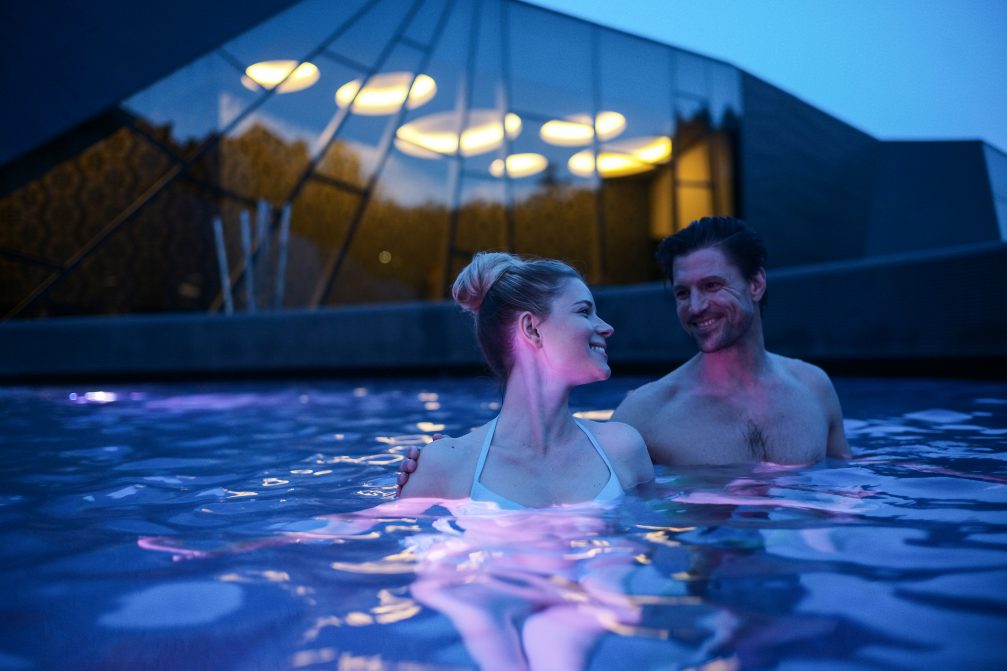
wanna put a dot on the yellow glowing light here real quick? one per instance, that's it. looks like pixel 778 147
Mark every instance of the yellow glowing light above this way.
pixel 385 93
pixel 626 157
pixel 519 165
pixel 576 130
pixel 268 74
pixel 429 427
pixel 596 415
pixel 430 136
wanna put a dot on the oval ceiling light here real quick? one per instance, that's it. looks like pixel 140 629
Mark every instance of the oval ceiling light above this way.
pixel 626 157
pixel 519 165
pixel 268 74
pixel 575 130
pixel 436 134
pixel 385 93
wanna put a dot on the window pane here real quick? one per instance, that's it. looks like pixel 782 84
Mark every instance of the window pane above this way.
pixel 294 33
pixel 550 63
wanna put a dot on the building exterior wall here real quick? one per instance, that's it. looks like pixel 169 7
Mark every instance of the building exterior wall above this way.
pixel 806 178
pixel 385 204
pixel 827 314
pixel 323 206
pixel 71 61
pixel 943 184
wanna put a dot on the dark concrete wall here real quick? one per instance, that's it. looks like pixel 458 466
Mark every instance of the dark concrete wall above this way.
pixel 66 62
pixel 948 304
pixel 911 307
pixel 805 177
pixel 929 195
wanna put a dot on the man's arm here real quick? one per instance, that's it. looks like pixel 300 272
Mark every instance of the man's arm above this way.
pixel 836 445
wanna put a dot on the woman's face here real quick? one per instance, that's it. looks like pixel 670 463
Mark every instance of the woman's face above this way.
pixel 573 336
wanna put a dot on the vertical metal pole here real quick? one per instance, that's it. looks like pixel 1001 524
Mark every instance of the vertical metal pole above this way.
pixel 263 217
pixel 225 280
pixel 246 248
pixel 281 257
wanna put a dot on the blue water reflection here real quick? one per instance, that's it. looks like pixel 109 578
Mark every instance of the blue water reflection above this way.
pixel 230 526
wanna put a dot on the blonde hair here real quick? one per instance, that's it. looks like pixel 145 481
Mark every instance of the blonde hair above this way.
pixel 495 287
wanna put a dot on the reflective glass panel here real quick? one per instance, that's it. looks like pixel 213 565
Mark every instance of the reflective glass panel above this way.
pixel 550 63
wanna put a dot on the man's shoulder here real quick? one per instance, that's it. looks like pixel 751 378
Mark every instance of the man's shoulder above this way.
pixel 806 374
pixel 800 368
pixel 641 405
pixel 661 389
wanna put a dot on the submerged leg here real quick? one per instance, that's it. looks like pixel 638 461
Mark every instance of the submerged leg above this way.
pixel 561 638
pixel 485 618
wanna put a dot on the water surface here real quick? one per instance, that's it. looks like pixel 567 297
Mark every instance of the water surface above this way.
pixel 187 526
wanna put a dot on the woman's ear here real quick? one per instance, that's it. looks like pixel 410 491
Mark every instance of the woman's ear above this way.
pixel 528 328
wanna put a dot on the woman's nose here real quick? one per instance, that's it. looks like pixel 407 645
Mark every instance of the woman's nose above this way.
pixel 604 328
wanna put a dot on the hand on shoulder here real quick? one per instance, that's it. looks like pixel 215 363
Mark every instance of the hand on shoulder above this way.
pixel 446 469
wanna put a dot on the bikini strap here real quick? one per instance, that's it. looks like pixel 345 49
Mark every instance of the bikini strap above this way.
pixel 597 445
pixel 481 463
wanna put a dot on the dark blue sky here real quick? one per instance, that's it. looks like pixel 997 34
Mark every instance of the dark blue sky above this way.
pixel 897 69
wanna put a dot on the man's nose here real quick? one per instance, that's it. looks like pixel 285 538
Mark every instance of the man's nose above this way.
pixel 697 302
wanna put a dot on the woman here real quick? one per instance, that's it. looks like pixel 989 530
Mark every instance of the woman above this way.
pixel 524 568
pixel 531 589
pixel 540 333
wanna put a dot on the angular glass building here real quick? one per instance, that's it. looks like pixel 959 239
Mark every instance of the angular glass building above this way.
pixel 402 136
pixel 281 155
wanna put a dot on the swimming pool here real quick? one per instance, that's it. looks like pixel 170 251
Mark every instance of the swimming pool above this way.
pixel 176 527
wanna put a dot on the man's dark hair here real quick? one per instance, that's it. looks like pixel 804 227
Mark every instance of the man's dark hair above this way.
pixel 740 244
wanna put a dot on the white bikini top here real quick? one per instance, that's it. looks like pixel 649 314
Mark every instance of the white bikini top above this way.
pixel 610 493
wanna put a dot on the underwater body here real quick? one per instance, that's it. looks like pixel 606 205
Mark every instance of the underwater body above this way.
pixel 254 525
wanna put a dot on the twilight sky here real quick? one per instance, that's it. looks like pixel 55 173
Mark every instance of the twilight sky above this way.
pixel 897 69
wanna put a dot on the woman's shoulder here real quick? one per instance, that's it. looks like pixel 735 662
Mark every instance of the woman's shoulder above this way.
pixel 625 447
pixel 445 467
pixel 620 434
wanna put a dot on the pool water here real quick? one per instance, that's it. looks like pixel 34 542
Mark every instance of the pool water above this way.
pixel 209 526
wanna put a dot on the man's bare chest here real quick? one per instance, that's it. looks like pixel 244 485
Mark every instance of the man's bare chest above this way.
pixel 785 427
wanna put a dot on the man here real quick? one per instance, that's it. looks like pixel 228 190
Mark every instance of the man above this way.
pixel 733 402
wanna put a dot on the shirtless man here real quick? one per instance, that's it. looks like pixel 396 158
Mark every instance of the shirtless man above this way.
pixel 733 402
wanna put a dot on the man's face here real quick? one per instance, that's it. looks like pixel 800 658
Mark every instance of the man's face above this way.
pixel 714 302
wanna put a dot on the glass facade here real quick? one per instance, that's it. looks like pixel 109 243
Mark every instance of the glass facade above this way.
pixel 362 151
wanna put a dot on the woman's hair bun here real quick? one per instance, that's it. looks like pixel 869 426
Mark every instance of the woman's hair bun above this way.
pixel 476 279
